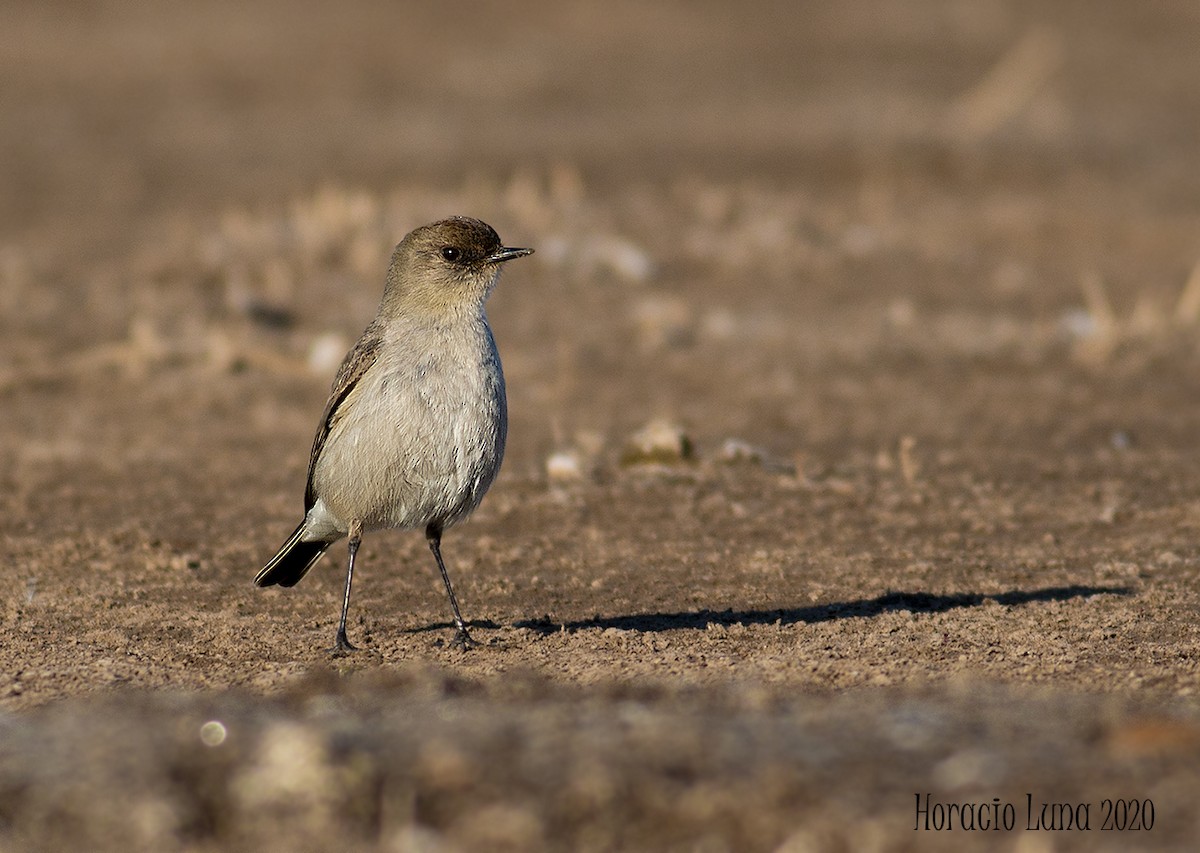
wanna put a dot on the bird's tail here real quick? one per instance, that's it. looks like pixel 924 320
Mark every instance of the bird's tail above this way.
pixel 292 562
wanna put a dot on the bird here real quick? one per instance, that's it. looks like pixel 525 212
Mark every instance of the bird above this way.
pixel 413 433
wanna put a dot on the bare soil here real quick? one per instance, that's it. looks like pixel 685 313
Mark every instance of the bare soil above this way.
pixel 916 282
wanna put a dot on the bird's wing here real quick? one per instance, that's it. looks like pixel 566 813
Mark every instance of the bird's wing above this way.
pixel 358 361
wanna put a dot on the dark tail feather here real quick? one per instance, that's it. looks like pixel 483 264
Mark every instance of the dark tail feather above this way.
pixel 292 562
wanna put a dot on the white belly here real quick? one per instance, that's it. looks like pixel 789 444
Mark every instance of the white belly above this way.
pixel 418 441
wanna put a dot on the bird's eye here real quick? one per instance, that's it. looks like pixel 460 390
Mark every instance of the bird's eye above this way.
pixel 451 253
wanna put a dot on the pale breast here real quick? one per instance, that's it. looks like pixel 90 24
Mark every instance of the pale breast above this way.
pixel 421 438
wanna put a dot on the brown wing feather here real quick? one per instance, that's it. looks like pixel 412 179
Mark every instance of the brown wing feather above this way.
pixel 356 363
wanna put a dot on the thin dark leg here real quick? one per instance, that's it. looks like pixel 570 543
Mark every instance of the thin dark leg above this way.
pixel 342 645
pixel 462 639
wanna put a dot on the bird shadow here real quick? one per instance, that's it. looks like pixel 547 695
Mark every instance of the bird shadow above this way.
pixel 914 602
pixel 486 624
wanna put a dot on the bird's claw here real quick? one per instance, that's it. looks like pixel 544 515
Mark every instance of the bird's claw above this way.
pixel 463 640
pixel 342 645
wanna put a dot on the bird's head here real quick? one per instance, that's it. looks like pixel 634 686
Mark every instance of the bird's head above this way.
pixel 446 267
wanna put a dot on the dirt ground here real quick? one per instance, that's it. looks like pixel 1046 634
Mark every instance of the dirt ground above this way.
pixel 917 282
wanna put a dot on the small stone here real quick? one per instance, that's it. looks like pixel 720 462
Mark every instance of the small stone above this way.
pixel 735 450
pixel 564 466
pixel 659 442
pixel 326 353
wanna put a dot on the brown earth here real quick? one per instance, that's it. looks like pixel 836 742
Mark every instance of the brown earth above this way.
pixel 917 281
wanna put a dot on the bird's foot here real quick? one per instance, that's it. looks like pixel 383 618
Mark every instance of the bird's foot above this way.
pixel 463 640
pixel 342 645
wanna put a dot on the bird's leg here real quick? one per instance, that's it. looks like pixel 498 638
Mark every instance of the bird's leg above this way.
pixel 341 644
pixel 462 639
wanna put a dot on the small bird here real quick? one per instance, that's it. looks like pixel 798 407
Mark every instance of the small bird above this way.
pixel 413 432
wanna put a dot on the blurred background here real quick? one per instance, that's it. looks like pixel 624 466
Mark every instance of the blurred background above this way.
pixel 827 180
pixel 119 112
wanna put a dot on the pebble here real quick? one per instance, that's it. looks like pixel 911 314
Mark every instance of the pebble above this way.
pixel 659 442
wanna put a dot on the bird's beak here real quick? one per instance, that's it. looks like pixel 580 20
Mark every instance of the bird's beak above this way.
pixel 505 253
